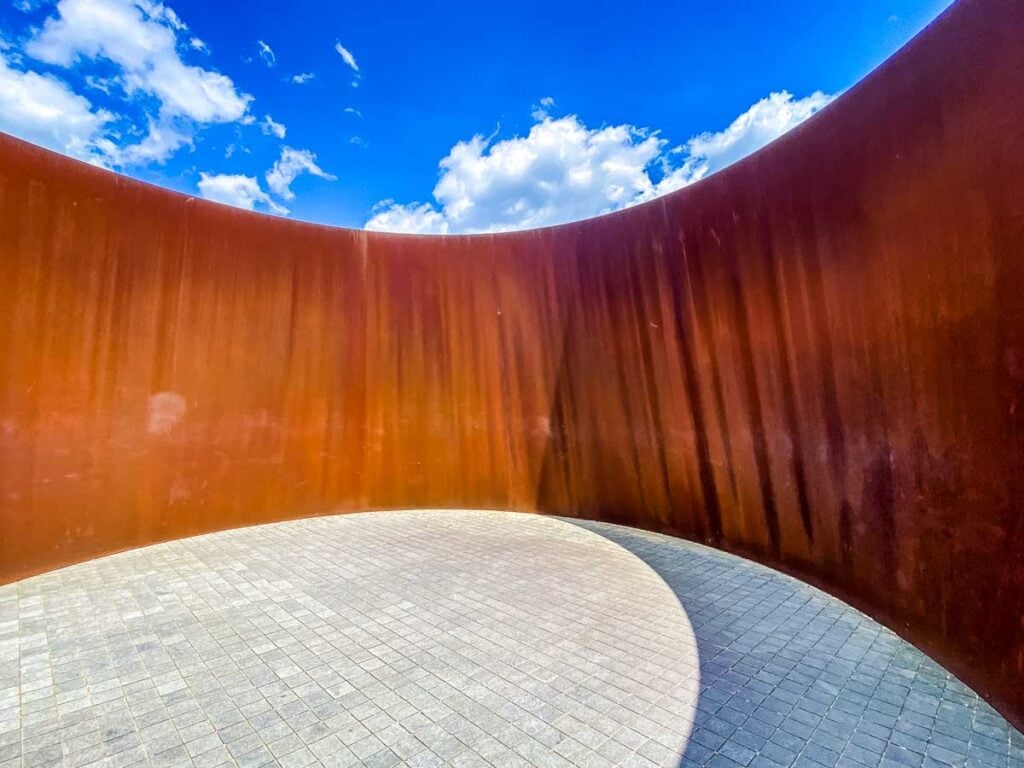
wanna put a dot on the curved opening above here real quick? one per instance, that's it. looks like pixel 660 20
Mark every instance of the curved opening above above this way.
pixel 222 118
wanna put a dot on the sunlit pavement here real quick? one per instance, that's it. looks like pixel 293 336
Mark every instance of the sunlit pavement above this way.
pixel 463 638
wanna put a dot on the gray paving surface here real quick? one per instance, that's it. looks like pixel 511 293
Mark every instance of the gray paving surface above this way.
pixel 463 638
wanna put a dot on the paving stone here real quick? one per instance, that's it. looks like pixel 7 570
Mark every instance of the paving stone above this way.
pixel 464 639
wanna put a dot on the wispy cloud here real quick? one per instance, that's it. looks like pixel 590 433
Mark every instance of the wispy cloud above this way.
pixel 271 128
pixel 289 166
pixel 347 56
pixel 244 191
pixel 266 53
pixel 302 78
pixel 542 109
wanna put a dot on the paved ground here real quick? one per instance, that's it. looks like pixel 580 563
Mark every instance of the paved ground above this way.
pixel 463 638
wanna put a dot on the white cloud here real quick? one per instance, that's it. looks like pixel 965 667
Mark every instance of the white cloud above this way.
pixel 237 190
pixel 145 49
pixel 289 166
pixel 302 78
pixel 708 152
pixel 347 56
pixel 561 171
pixel 140 37
pixel 354 111
pixel 359 141
pixel 266 53
pixel 244 191
pixel 765 121
pixel 196 44
pixel 161 12
pixel 231 149
pixel 44 110
pixel 565 171
pixel 543 109
pixel 270 128
pixel 104 84
pixel 161 141
pixel 416 218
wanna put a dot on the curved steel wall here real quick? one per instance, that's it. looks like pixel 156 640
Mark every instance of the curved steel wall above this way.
pixel 815 358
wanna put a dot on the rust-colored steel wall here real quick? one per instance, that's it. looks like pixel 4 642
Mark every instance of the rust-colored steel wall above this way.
pixel 815 358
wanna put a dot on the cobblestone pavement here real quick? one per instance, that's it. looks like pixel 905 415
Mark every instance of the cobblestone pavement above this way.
pixel 463 638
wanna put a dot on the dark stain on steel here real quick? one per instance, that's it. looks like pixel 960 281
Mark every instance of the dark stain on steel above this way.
pixel 741 324
pixel 698 297
pixel 878 509
pixel 775 293
pixel 694 399
pixel 835 439
pixel 651 394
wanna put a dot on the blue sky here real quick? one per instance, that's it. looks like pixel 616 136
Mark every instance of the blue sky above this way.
pixel 431 117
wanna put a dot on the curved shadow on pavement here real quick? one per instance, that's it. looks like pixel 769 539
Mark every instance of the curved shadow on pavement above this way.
pixel 792 676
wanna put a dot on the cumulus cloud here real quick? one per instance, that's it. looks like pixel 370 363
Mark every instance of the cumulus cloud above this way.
pixel 266 53
pixel 765 121
pixel 141 38
pixel 347 56
pixel 42 109
pixel 302 78
pixel 417 218
pixel 160 142
pixel 237 190
pixel 270 128
pixel 288 167
pixel 564 170
pixel 145 47
pixel 708 152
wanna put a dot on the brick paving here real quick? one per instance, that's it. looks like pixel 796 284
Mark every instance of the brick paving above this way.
pixel 466 639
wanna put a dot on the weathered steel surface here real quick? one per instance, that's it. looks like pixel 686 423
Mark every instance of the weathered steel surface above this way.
pixel 815 358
